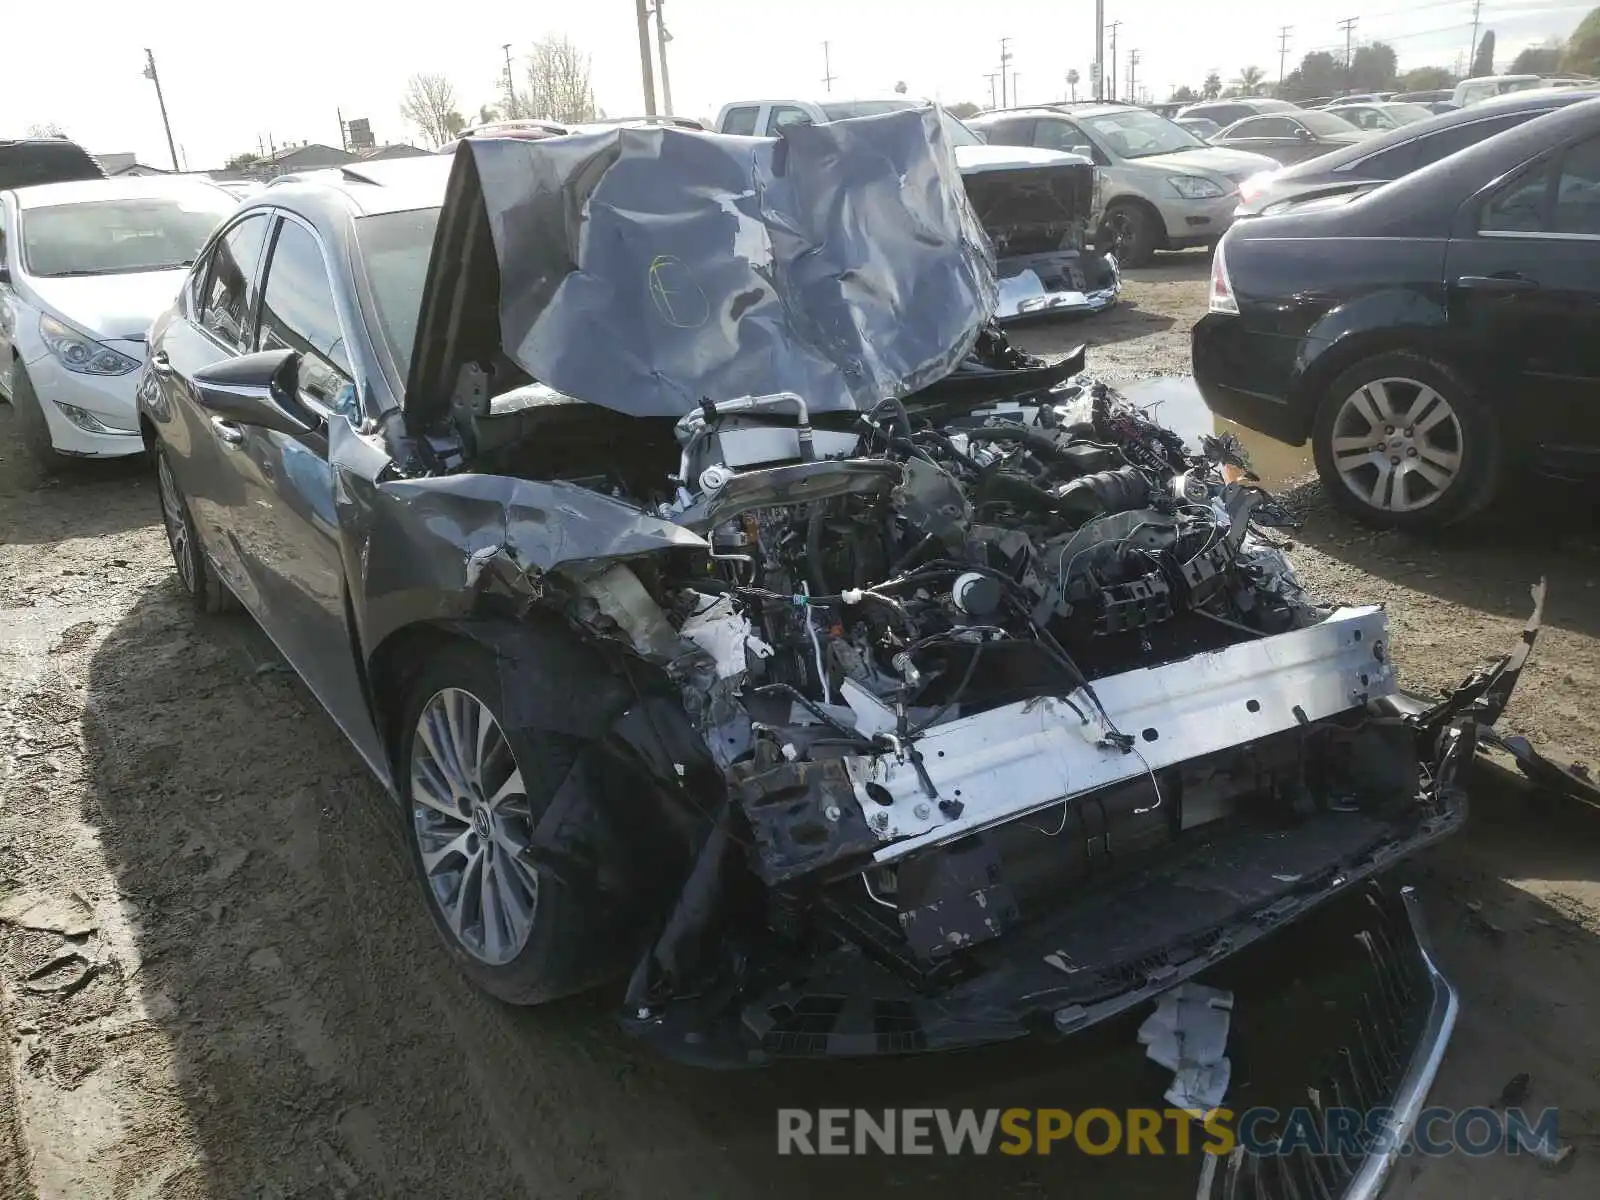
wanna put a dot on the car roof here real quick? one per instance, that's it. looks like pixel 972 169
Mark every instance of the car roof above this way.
pixel 1080 109
pixel 392 185
pixel 122 187
pixel 1534 100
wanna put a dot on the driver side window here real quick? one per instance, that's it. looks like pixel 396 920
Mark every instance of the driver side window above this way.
pixel 784 115
pixel 1265 127
pixel 1058 135
pixel 298 313
pixel 228 296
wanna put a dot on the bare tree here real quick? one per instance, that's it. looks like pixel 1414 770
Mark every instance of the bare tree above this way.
pixel 46 129
pixel 558 82
pixel 430 105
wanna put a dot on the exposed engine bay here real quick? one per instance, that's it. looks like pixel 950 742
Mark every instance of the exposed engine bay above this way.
pixel 963 666
pixel 928 693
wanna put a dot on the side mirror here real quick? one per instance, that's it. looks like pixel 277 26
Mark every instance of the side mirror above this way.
pixel 1085 151
pixel 258 389
pixel 1302 133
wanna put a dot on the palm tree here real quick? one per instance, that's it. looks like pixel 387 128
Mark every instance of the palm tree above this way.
pixel 1212 88
pixel 1250 80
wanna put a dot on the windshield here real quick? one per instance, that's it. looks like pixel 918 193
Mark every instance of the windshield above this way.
pixel 121 237
pixel 395 248
pixel 1135 133
pixel 1324 124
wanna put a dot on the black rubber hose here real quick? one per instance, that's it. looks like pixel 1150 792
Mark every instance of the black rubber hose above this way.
pixel 819 577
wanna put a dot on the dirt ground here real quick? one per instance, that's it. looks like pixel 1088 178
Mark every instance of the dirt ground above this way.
pixel 218 980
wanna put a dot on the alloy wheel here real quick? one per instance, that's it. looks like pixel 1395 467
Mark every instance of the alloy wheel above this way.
pixel 176 521
pixel 473 821
pixel 1397 444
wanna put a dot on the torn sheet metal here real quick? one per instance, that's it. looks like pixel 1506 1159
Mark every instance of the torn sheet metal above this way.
pixel 1568 778
pixel 1188 1034
pixel 1486 692
pixel 649 269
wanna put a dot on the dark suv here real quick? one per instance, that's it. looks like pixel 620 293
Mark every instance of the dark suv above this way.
pixel 29 161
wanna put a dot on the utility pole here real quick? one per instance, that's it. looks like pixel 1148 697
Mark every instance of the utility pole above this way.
pixel 344 139
pixel 1015 96
pixel 1472 50
pixel 511 87
pixel 662 38
pixel 1348 25
pixel 1099 48
pixel 646 72
pixel 1133 77
pixel 1005 61
pixel 991 77
pixel 1283 49
pixel 150 74
pixel 1112 95
pixel 827 70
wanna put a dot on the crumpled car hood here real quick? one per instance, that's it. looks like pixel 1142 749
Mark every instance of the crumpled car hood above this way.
pixel 651 269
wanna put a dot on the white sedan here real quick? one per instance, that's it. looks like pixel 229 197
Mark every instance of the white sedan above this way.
pixel 84 269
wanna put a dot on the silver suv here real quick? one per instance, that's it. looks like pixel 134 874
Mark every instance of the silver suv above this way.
pixel 1161 188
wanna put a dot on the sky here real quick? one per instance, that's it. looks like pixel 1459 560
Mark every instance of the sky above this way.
pixel 235 76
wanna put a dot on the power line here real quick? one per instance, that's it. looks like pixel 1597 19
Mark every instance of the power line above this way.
pixel 1348 24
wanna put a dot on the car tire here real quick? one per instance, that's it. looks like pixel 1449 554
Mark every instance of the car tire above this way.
pixel 1443 466
pixel 559 950
pixel 196 575
pixel 1129 233
pixel 32 428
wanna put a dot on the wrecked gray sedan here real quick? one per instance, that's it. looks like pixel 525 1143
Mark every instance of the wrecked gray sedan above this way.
pixel 735 613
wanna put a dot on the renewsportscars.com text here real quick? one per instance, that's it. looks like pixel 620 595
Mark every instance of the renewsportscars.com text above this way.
pixel 1156 1131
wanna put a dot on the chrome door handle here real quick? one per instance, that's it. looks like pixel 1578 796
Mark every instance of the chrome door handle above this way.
pixel 1509 282
pixel 160 363
pixel 227 431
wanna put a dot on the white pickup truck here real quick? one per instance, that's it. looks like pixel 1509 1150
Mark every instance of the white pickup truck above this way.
pixel 1037 205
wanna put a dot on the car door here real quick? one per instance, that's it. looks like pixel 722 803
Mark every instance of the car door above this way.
pixel 1523 278
pixel 286 529
pixel 214 320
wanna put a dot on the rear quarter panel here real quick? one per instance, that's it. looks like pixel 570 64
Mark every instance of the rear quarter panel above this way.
pixel 1316 306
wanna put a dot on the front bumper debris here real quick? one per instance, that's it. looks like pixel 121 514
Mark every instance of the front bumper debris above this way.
pixel 1387 1060
pixel 1056 284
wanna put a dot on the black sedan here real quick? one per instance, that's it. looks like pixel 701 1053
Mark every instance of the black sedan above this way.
pixel 1291 137
pixel 1400 151
pixel 1426 335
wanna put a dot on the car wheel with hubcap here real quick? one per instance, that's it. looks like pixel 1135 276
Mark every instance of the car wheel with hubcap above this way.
pixel 1402 442
pixel 474 792
pixel 197 576
pixel 1128 234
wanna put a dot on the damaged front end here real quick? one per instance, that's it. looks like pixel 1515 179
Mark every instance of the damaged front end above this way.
pixel 931 694
pixel 1038 214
